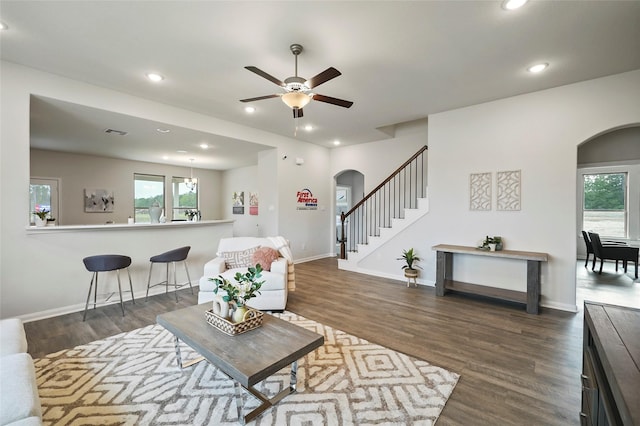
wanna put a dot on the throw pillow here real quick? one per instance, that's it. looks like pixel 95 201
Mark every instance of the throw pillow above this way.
pixel 239 259
pixel 264 256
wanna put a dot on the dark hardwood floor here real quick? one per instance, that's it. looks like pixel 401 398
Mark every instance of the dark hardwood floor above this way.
pixel 515 368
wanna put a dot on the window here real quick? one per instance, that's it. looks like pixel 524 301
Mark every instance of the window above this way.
pixel 605 204
pixel 43 195
pixel 183 198
pixel 148 190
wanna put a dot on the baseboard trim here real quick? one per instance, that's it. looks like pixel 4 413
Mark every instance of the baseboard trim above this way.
pixel 70 309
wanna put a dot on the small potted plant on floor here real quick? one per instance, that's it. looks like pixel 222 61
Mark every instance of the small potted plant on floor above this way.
pixel 410 258
pixel 41 217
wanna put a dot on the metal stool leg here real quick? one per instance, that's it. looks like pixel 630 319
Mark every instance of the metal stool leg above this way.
pixel 175 280
pixel 86 305
pixel 166 283
pixel 148 281
pixel 95 292
pixel 120 291
pixel 131 287
pixel 188 277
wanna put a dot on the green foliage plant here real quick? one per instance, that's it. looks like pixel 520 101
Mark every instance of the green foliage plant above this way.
pixel 409 258
pixel 246 286
pixel 42 214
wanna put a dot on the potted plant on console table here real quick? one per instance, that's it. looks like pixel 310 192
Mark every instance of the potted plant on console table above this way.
pixel 410 271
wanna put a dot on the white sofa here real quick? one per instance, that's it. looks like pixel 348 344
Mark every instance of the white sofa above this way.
pixel 19 400
pixel 274 291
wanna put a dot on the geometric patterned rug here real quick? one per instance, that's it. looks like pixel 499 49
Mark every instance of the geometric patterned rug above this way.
pixel 133 379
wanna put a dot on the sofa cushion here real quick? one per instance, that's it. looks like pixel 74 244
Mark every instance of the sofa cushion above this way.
pixel 239 259
pixel 265 256
pixel 12 337
pixel 18 393
pixel 272 280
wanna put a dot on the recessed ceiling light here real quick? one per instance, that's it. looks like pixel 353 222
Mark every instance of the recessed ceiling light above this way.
pixel 3 26
pixel 250 109
pixel 513 4
pixel 336 142
pixel 165 157
pixel 308 127
pixel 161 130
pixel 204 145
pixel 154 77
pixel 181 151
pixel 537 68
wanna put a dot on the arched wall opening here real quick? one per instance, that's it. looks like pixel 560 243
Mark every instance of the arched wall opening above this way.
pixel 348 190
pixel 608 201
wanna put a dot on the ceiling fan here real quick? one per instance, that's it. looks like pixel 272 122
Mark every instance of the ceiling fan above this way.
pixel 298 90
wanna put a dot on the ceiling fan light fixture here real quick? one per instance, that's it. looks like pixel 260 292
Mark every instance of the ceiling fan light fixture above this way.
pixel 296 99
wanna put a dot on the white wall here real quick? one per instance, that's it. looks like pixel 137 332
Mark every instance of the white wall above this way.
pixel 536 133
pixel 244 179
pixel 48 277
pixel 309 231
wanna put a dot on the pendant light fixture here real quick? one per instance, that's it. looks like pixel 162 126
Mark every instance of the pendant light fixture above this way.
pixel 191 182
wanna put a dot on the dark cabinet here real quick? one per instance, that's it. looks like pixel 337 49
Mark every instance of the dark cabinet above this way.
pixel 610 366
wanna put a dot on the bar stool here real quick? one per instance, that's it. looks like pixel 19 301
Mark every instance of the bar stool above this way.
pixel 105 263
pixel 171 256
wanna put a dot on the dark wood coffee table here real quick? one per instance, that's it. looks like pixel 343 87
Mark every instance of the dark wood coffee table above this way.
pixel 247 358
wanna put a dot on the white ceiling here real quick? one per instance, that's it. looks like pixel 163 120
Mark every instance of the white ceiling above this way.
pixel 400 60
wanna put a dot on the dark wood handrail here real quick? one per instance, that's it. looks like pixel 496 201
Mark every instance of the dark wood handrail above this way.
pixel 384 182
pixel 380 214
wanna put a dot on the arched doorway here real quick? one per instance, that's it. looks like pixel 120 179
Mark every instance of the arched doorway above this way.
pixel 608 171
pixel 349 190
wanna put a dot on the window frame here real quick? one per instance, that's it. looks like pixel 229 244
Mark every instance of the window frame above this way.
pixel 144 210
pixel 178 211
pixel 625 212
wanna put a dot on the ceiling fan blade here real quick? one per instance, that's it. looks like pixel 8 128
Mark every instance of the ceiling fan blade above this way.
pixel 297 113
pixel 259 98
pixel 265 75
pixel 334 101
pixel 323 77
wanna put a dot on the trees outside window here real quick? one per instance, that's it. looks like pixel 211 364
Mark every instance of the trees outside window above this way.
pixel 605 204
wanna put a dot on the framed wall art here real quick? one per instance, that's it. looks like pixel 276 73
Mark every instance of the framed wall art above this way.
pixel 98 201
pixel 509 189
pixel 480 191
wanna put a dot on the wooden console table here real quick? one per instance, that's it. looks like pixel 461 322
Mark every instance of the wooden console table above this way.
pixel 445 282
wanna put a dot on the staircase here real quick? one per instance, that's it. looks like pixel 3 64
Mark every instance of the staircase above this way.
pixel 395 204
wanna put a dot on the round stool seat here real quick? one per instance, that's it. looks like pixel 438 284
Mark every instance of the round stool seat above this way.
pixel 106 262
pixel 175 255
pixel 168 258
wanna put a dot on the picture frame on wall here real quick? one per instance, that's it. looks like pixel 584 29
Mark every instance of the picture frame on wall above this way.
pixel 98 201
pixel 480 191
pixel 253 203
pixel 509 190
pixel 238 202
